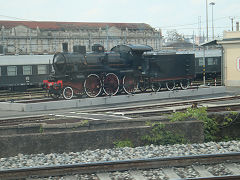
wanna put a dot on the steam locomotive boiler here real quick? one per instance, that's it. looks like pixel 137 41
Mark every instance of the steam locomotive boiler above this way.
pixel 125 68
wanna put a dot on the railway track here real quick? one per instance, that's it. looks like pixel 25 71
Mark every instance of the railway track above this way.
pixel 170 107
pixel 39 95
pixel 170 167
pixel 30 119
pixel 6 95
pixel 44 99
pixel 48 118
pixel 119 112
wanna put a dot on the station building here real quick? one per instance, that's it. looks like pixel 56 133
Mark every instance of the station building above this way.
pixel 231 58
pixel 36 37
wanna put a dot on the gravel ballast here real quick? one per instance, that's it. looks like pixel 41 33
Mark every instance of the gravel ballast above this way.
pixel 152 151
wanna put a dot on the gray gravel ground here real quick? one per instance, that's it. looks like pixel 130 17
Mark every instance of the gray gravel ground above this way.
pixel 97 155
pixel 219 170
pixel 186 172
pixel 154 174
pixel 151 151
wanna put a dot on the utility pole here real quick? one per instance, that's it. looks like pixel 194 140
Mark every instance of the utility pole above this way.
pixel 212 4
pixel 30 40
pixel 126 34
pixel 207 17
pixel 200 35
pixel 107 36
pixel 193 41
pixel 159 40
pixel 232 18
pixel 3 39
pixel 204 67
pixel 232 22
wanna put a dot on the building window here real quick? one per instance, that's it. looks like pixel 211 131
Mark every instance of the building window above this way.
pixel 42 69
pixel 65 47
pixel 12 70
pixel 27 70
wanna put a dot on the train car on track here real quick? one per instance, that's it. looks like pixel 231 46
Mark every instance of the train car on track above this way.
pixel 213 59
pixel 210 60
pixel 126 68
pixel 17 72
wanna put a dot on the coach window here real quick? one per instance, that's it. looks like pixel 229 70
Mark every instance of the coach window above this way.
pixel 12 70
pixel 27 70
pixel 215 61
pixel 0 71
pixel 201 61
pixel 42 69
pixel 212 61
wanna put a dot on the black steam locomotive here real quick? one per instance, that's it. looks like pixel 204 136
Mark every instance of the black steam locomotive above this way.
pixel 125 68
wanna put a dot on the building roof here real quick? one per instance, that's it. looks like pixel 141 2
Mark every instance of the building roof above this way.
pixel 210 43
pixel 203 53
pixel 53 25
pixel 229 41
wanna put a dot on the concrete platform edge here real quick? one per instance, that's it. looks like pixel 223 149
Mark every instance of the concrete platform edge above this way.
pixel 78 103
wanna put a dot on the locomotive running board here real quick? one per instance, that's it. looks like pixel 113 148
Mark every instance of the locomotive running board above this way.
pixel 107 100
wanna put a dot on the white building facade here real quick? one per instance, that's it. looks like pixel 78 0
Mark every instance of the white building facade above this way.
pixel 31 37
pixel 231 58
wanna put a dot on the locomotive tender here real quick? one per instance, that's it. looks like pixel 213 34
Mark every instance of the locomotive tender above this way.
pixel 125 68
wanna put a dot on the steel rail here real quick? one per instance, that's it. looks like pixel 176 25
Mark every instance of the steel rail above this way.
pixel 168 104
pixel 216 178
pixel 110 166
pixel 146 110
pixel 32 100
pixel 210 108
pixel 25 120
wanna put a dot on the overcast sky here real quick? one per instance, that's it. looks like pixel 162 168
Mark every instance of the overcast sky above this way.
pixel 182 15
